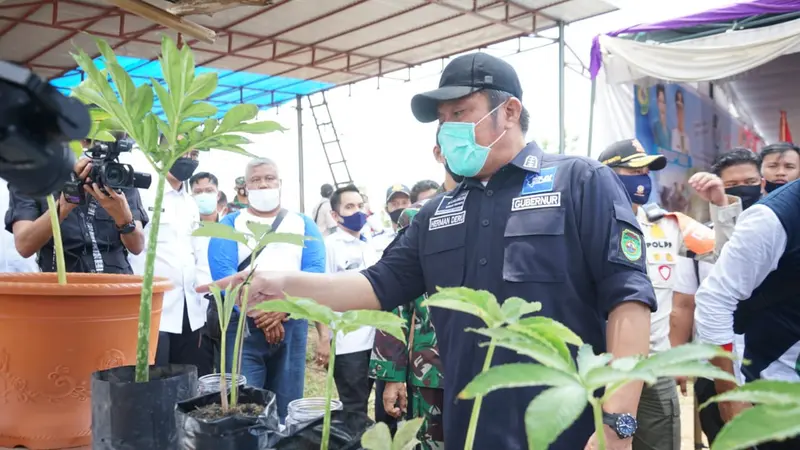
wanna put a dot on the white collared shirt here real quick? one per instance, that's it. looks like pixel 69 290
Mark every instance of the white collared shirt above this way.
pixel 345 253
pixel 177 257
pixel 752 253
pixel 10 259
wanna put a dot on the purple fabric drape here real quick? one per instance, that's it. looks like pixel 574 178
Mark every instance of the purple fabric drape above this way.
pixel 732 12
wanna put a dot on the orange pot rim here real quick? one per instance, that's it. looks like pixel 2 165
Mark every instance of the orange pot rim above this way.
pixel 85 284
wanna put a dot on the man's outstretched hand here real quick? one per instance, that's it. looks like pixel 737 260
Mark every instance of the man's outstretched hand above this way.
pixel 263 285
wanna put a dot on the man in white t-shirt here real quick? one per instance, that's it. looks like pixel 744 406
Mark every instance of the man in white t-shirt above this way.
pixel 347 249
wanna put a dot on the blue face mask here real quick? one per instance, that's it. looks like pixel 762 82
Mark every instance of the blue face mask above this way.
pixel 206 202
pixel 638 187
pixel 355 222
pixel 463 154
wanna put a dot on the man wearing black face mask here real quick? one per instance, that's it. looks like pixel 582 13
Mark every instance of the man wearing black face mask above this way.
pixel 178 259
pixel 735 183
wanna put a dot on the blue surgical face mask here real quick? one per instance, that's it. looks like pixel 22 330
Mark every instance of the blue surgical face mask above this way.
pixel 206 202
pixel 354 222
pixel 463 154
pixel 638 187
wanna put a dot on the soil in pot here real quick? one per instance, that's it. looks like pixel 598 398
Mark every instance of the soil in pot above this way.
pixel 346 431
pixel 134 416
pixel 52 338
pixel 252 425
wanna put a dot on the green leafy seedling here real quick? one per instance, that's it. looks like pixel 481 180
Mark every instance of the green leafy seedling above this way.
pixel 259 237
pixel 380 438
pixel 302 308
pixel 483 305
pixel 775 415
pixel 189 125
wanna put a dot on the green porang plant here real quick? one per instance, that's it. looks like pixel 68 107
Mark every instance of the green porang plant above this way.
pixel 380 438
pixel 775 415
pixel 301 308
pixel 572 385
pixel 259 237
pixel 189 123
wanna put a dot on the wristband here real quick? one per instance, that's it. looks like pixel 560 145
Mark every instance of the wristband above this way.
pixel 728 347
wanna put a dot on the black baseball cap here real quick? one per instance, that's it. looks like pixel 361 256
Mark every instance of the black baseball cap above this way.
pixel 397 189
pixel 630 153
pixel 463 76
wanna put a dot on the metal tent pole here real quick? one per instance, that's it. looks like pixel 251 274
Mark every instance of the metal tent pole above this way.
pixel 561 68
pixel 300 152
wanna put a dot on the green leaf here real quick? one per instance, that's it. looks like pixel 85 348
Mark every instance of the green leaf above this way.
pixel 761 423
pixel 199 109
pixel 528 346
pixel 266 126
pixel 103 136
pixel 119 76
pixel 387 322
pixel 609 375
pixel 552 412
pixel 300 308
pixel 684 353
pixel 377 438
pixel 218 230
pixel 481 304
pixel 588 361
pixel 98 115
pixel 237 115
pixel 203 86
pixel 762 391
pixel 141 103
pixel 514 308
pixel 541 324
pixel 166 105
pixel 516 375
pixel 209 126
pixel 406 436
pixel 149 138
pixel 282 238
pixel 699 369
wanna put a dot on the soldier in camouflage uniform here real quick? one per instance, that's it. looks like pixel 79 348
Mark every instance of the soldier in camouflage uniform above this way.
pixel 421 368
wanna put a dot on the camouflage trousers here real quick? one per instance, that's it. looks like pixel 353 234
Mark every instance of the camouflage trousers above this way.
pixel 427 403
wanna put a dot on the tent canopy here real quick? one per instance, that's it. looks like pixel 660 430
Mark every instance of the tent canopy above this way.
pixel 749 49
pixel 269 54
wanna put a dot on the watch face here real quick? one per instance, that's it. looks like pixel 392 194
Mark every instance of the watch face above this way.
pixel 626 425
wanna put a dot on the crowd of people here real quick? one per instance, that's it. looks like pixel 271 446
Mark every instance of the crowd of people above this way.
pixel 575 234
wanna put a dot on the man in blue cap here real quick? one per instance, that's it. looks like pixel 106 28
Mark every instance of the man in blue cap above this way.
pixel 551 228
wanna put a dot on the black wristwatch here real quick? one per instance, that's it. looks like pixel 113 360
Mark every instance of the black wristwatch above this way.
pixel 128 228
pixel 624 425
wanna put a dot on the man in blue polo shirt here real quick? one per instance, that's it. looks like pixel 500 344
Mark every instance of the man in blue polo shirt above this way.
pixel 550 228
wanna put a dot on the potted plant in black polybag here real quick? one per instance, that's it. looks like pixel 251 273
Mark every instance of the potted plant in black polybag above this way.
pixel 236 418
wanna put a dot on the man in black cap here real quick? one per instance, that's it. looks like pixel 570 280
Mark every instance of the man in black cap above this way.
pixel 551 228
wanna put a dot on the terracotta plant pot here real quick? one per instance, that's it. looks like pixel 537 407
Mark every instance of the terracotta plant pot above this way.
pixel 52 338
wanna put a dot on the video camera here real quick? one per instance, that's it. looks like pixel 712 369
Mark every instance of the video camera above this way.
pixel 107 171
pixel 36 124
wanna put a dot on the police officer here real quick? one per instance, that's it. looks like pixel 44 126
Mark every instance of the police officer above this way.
pixel 551 228
pixel 756 277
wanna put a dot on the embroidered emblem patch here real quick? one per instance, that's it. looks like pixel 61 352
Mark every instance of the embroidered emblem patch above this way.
pixel 665 272
pixel 451 205
pixel 537 184
pixel 531 162
pixel 631 245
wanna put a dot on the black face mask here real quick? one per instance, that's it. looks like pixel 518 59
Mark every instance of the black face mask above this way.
pixel 749 194
pixel 456 178
pixel 395 215
pixel 770 186
pixel 183 168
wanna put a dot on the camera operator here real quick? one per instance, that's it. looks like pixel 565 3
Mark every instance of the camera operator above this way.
pixel 97 234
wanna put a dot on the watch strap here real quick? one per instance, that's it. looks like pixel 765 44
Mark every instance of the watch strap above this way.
pixel 127 228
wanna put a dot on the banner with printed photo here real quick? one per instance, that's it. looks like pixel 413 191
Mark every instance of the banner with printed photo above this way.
pixel 690 129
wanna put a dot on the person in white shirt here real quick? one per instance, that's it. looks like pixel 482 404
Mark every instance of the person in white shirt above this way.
pixel 347 249
pixel 10 259
pixel 179 259
pixel 274 347
pixel 398 198
pixel 204 187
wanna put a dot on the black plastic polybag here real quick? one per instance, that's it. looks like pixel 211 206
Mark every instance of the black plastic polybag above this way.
pixel 346 431
pixel 235 432
pixel 134 416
